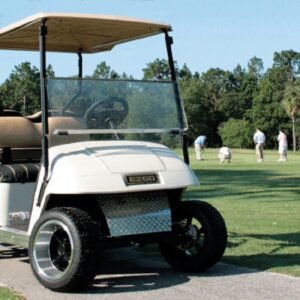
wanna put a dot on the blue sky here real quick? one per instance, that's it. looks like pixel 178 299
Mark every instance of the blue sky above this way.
pixel 207 33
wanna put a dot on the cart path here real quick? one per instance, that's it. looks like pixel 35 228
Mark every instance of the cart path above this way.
pixel 130 275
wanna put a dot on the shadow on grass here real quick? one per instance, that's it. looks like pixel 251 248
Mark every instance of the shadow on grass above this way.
pixel 285 239
pixel 250 183
pixel 264 262
pixel 275 258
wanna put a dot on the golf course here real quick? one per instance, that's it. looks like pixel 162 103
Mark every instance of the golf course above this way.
pixel 260 203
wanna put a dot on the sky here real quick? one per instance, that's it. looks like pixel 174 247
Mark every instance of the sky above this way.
pixel 207 33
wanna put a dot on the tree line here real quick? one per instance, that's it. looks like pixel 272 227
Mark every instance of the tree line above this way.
pixel 226 106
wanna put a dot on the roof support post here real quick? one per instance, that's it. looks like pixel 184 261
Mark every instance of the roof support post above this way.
pixel 79 64
pixel 169 42
pixel 44 102
pixel 44 106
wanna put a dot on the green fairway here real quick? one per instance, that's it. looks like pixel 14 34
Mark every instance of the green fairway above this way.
pixel 261 206
pixel 6 294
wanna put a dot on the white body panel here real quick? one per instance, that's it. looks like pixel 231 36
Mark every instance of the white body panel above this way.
pixel 98 167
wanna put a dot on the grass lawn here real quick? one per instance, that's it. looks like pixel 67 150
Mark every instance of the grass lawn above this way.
pixel 260 203
pixel 6 294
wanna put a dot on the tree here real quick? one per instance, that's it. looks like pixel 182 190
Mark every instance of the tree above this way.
pixel 236 133
pixel 215 82
pixel 255 67
pixel 157 70
pixel 21 91
pixel 184 73
pixel 291 103
pixel 103 71
pixel 267 113
pixel 199 111
pixel 238 96
pixel 289 62
pixel 50 72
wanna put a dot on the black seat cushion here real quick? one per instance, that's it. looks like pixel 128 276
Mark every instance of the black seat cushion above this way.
pixel 21 173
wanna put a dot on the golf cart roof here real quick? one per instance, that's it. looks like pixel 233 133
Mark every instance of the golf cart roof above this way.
pixel 84 33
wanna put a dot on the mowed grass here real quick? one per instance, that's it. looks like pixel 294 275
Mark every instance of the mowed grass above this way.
pixel 260 203
pixel 6 294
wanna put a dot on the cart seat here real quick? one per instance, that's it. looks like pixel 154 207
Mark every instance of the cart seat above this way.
pixel 35 118
pixel 19 173
pixel 22 132
pixel 19 132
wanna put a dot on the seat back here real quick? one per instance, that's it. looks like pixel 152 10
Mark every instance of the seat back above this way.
pixel 21 137
pixel 19 132
pixel 65 122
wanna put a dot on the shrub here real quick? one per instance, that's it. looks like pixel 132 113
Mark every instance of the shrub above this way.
pixel 237 133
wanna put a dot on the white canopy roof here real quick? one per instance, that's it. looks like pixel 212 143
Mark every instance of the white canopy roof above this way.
pixel 76 32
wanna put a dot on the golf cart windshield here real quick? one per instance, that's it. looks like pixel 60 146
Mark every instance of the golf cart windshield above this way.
pixel 113 108
pixel 77 109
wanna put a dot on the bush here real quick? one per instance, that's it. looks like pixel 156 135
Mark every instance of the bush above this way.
pixel 237 133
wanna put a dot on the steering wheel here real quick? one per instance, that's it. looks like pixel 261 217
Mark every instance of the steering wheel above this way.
pixel 106 112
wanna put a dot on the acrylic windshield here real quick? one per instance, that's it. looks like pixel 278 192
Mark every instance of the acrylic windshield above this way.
pixel 79 107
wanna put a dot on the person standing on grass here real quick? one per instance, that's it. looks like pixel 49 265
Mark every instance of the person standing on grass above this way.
pixel 259 140
pixel 199 146
pixel 283 145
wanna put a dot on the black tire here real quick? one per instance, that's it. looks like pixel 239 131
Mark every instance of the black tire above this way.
pixel 65 249
pixel 200 237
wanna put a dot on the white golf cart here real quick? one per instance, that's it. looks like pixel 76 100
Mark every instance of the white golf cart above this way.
pixel 89 171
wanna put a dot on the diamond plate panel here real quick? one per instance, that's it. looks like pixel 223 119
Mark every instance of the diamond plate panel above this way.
pixel 136 213
pixel 19 220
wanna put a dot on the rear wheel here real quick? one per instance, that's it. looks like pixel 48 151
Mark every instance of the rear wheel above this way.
pixel 200 237
pixel 65 249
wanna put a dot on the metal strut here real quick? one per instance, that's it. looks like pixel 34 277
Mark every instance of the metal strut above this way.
pixel 79 64
pixel 44 106
pixel 169 42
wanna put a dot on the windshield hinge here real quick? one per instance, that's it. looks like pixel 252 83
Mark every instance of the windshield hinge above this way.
pixel 43 29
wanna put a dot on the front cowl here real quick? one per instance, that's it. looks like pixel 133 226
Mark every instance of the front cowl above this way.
pixel 101 167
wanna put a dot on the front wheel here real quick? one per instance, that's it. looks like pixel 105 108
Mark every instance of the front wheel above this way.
pixel 64 249
pixel 200 237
